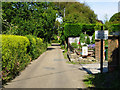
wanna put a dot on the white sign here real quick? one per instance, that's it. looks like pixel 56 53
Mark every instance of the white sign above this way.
pixel 85 50
pixel 101 34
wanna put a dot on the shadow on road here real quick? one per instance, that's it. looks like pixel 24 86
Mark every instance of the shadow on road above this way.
pixel 49 48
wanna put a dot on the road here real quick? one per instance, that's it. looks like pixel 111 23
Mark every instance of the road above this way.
pixel 50 70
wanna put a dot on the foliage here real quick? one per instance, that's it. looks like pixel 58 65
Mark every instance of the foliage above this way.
pixel 74 45
pixel 88 40
pixel 36 47
pixel 72 29
pixel 21 15
pixel 93 38
pixel 17 52
pixel 112 27
pixel 76 12
pixel 115 18
pixel 88 28
pixel 14 55
pixel 82 38
pixel 116 27
pixel 98 26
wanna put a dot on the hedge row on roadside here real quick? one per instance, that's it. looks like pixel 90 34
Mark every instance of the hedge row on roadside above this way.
pixel 76 29
pixel 17 52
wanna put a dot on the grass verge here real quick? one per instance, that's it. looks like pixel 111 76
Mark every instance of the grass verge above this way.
pixel 105 80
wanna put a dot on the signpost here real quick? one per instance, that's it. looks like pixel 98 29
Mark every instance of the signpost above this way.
pixel 101 35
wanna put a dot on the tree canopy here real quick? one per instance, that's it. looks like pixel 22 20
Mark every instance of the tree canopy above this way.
pixel 115 18
pixel 76 12
pixel 36 18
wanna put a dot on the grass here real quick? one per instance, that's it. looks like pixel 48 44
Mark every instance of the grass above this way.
pixel 105 80
pixel 65 54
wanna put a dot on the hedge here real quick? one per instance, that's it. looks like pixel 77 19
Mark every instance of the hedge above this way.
pixel 89 28
pixel 36 47
pixel 72 29
pixel 116 27
pixel 17 53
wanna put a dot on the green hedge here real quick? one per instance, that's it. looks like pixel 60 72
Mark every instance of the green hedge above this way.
pixel 14 55
pixel 72 29
pixel 89 28
pixel 17 52
pixel 116 27
pixel 36 47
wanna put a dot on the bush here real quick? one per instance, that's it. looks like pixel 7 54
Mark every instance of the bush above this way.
pixel 88 28
pixel 88 40
pixel 17 52
pixel 36 47
pixel 74 45
pixel 14 55
pixel 72 30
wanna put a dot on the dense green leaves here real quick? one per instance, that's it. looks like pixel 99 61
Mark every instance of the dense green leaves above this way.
pixel 72 30
pixel 76 12
pixel 17 52
pixel 29 18
pixel 115 18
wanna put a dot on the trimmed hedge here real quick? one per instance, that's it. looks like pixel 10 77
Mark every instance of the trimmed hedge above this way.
pixel 36 47
pixel 89 28
pixel 72 30
pixel 17 52
pixel 116 27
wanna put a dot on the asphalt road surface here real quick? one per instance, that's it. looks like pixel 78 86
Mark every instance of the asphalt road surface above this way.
pixel 50 70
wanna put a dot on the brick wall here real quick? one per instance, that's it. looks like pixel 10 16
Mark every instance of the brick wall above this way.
pixel 98 49
pixel 113 52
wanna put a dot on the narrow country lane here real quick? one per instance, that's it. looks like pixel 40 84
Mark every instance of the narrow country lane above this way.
pixel 50 70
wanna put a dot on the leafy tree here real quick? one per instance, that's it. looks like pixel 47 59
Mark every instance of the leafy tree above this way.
pixel 76 12
pixel 115 18
pixel 35 18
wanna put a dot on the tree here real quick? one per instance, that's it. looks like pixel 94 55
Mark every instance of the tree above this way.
pixel 76 12
pixel 115 18
pixel 35 18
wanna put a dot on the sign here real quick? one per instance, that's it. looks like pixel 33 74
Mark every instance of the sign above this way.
pixel 85 50
pixel 101 34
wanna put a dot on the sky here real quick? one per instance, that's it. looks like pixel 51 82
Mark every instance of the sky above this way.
pixel 102 8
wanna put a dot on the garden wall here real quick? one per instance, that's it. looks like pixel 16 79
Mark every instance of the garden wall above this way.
pixel 113 52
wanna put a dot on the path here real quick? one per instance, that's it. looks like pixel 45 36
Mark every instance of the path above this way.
pixel 50 70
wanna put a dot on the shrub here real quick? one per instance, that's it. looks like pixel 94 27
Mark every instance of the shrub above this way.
pixel 88 28
pixel 74 45
pixel 14 55
pixel 93 38
pixel 36 47
pixel 88 40
pixel 72 29
pixel 17 52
